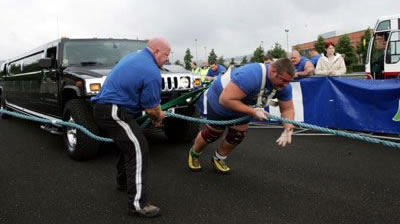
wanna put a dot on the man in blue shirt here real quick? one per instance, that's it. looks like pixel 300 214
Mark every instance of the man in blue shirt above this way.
pixel 133 85
pixel 314 57
pixel 304 67
pixel 215 70
pixel 231 96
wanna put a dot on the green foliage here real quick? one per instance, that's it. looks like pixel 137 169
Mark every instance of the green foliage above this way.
pixel 212 56
pixel 258 55
pixel 362 47
pixel 344 47
pixel 177 62
pixel 188 59
pixel 221 60
pixel 277 51
pixel 232 62
pixel 244 61
pixel 320 44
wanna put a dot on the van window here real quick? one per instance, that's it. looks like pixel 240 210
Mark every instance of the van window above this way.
pixel 393 52
pixel 384 25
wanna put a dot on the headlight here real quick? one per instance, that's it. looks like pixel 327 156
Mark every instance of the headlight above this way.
pixel 184 83
pixel 94 87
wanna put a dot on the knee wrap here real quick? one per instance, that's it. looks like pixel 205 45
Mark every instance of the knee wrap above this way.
pixel 210 135
pixel 235 137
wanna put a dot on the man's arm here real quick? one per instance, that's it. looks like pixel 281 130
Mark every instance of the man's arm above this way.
pixel 155 114
pixel 231 98
pixel 308 70
pixel 287 111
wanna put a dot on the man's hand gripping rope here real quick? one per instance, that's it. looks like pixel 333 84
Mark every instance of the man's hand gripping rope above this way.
pixel 286 136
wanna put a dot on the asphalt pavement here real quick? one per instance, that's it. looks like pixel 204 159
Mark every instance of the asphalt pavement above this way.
pixel 317 179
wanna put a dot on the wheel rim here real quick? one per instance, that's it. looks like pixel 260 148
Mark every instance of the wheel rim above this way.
pixel 71 136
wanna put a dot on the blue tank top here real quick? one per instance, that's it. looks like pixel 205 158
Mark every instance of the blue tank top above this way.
pixel 300 66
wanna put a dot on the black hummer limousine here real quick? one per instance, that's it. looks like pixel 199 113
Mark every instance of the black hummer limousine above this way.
pixel 56 81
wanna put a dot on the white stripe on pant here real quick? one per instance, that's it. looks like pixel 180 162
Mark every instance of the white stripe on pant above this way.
pixel 135 141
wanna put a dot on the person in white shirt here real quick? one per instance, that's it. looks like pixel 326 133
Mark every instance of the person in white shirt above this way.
pixel 332 63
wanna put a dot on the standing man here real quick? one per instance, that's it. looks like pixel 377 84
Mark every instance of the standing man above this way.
pixel 133 85
pixel 304 67
pixel 195 70
pixel 215 70
pixel 231 96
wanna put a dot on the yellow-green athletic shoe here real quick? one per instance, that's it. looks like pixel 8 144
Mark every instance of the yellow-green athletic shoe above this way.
pixel 194 160
pixel 220 165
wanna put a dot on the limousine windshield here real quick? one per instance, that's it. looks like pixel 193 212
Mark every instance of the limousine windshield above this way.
pixel 98 52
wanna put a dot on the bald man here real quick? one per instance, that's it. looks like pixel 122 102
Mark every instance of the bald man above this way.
pixel 133 86
pixel 304 67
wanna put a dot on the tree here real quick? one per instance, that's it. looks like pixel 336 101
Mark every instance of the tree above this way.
pixel 177 62
pixel 221 60
pixel 244 61
pixel 362 47
pixel 344 47
pixel 212 56
pixel 320 44
pixel 258 55
pixel 277 51
pixel 232 62
pixel 188 59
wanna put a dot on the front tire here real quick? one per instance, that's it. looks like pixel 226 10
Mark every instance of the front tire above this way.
pixel 80 146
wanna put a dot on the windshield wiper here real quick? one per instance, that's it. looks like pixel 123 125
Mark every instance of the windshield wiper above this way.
pixel 85 63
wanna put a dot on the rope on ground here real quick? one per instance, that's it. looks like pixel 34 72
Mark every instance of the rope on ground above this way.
pixel 304 125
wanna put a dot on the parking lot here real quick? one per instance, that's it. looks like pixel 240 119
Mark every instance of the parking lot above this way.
pixel 317 179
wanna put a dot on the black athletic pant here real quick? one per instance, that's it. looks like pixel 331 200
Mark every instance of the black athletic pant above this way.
pixel 121 126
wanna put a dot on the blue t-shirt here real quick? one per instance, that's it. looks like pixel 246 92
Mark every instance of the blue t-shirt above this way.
pixel 134 83
pixel 314 60
pixel 248 78
pixel 300 66
pixel 220 69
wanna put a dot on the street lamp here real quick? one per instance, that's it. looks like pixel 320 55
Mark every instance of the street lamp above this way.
pixel 205 53
pixel 195 41
pixel 172 57
pixel 287 39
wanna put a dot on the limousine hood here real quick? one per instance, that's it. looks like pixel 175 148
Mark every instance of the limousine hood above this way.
pixel 88 73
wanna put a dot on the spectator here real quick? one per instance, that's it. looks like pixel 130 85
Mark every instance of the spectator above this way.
pixel 203 71
pixel 268 59
pixel 195 70
pixel 315 56
pixel 303 66
pixel 215 70
pixel 332 63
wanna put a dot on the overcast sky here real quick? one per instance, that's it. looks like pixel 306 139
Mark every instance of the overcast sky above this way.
pixel 230 27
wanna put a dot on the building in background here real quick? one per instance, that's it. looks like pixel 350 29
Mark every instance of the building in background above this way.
pixel 333 36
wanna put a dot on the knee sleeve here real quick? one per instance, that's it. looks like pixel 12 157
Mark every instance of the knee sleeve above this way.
pixel 235 137
pixel 210 135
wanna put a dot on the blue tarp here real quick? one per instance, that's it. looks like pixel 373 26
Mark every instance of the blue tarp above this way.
pixel 351 104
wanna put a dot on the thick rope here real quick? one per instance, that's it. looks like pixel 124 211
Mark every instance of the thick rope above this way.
pixel 205 121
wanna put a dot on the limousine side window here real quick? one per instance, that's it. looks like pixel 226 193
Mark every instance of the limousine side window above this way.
pixel 15 67
pixel 31 63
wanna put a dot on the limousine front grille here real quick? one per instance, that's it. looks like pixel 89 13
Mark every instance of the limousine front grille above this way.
pixel 175 82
